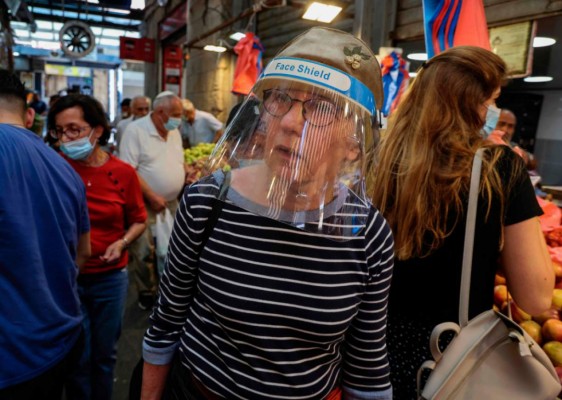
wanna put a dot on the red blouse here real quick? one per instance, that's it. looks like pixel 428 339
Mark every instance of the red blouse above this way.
pixel 114 202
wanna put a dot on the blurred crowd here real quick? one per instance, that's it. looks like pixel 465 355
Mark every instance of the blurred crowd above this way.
pixel 271 275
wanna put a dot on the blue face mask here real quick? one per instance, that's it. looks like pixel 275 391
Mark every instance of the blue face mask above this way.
pixel 78 149
pixel 173 123
pixel 492 116
pixel 246 162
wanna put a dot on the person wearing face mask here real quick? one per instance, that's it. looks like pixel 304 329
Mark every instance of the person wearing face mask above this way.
pixel 198 126
pixel 152 145
pixel 504 122
pixel 420 184
pixel 117 218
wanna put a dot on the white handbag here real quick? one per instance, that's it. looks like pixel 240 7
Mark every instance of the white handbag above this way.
pixel 490 357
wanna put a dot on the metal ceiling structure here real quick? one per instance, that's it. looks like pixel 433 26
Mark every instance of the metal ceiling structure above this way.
pixel 114 14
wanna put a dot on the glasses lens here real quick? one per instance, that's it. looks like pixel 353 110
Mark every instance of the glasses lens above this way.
pixel 319 112
pixel 276 102
pixel 71 133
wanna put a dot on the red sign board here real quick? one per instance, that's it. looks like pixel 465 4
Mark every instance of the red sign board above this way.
pixel 172 71
pixel 142 49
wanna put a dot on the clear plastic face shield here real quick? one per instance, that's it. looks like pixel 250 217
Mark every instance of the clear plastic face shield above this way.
pixel 295 152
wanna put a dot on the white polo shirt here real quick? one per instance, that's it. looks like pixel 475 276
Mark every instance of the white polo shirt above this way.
pixel 158 161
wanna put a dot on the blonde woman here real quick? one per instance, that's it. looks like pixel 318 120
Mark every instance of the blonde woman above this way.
pixel 421 185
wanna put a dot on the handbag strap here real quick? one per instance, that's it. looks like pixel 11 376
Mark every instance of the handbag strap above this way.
pixel 469 237
pixel 217 204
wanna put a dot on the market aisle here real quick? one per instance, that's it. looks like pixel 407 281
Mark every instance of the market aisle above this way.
pixel 135 324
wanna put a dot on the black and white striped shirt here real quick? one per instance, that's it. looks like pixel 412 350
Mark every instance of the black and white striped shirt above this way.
pixel 271 311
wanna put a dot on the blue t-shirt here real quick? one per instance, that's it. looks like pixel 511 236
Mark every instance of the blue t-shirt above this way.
pixel 203 129
pixel 43 213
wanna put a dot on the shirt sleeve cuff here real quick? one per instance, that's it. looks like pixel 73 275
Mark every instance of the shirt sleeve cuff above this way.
pixel 352 394
pixel 158 355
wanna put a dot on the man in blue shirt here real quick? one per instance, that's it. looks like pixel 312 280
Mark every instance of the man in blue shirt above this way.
pixel 198 126
pixel 44 236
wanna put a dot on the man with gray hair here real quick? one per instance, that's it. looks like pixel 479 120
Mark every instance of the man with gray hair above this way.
pixel 140 106
pixel 198 126
pixel 152 145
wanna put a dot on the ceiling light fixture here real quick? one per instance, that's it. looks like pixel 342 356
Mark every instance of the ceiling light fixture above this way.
pixel 321 12
pixel 417 56
pixel 237 36
pixel 537 79
pixel 118 11
pixel 540 41
pixel 217 49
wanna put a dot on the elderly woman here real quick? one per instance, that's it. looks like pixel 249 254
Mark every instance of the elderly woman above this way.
pixel 421 186
pixel 117 217
pixel 284 295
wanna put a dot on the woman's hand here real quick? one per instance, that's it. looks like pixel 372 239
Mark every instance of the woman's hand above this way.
pixel 113 252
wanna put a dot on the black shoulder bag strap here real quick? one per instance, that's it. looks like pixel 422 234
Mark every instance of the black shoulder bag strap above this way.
pixel 218 203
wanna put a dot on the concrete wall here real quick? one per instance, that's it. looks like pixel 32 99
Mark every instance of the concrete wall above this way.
pixel 208 75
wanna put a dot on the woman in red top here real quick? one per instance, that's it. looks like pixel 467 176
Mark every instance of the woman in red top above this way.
pixel 117 217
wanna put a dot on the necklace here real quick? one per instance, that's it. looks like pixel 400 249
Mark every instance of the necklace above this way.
pixel 98 159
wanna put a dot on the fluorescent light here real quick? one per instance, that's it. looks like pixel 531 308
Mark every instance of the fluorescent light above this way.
pixel 218 49
pixel 42 44
pixel 237 36
pixel 44 24
pixel 417 56
pixel 15 53
pixel 540 41
pixel 137 5
pixel 537 79
pixel 20 33
pixel 43 35
pixel 113 32
pixel 118 10
pixel 109 42
pixel 321 12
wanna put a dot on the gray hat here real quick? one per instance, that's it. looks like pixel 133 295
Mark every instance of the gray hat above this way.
pixel 339 50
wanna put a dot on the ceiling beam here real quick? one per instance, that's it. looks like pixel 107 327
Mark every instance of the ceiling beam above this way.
pixel 101 24
pixel 83 8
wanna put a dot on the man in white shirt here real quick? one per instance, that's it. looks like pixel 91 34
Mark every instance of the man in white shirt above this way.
pixel 140 106
pixel 152 145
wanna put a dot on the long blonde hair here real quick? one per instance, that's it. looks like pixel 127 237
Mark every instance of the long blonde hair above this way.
pixel 424 160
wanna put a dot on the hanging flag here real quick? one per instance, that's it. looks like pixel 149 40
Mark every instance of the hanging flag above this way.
pixel 449 23
pixel 249 64
pixel 395 79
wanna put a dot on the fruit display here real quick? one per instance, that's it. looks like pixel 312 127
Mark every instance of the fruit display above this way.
pixel 554 237
pixel 545 328
pixel 195 159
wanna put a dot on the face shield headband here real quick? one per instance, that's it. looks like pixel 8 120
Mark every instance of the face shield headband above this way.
pixel 321 75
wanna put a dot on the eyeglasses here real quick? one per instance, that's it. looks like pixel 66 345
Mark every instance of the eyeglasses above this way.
pixel 317 111
pixel 72 132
